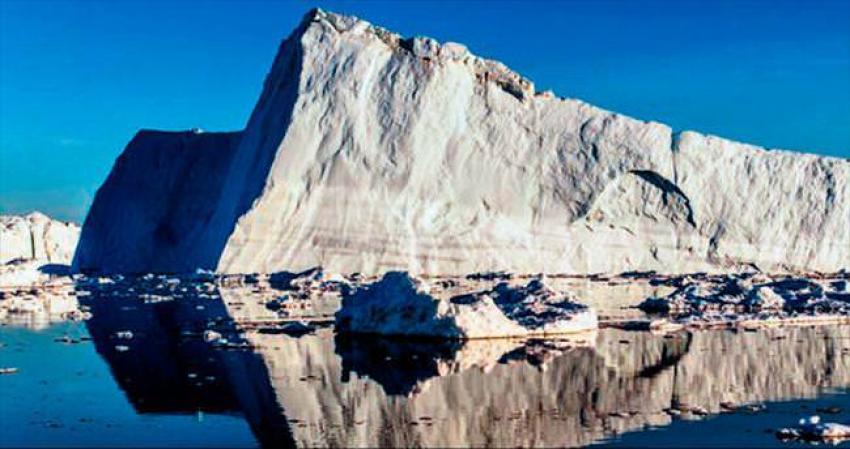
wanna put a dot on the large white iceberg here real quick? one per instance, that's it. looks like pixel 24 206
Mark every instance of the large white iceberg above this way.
pixel 370 152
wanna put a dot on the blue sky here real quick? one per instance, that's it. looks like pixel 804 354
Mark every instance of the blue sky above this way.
pixel 79 78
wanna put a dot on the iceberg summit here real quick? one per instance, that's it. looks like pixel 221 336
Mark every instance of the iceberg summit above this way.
pixel 370 152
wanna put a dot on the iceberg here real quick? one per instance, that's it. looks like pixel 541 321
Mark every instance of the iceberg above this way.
pixel 370 152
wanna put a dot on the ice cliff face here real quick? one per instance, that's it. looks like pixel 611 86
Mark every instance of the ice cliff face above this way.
pixel 370 152
pixel 36 236
pixel 153 211
pixel 34 248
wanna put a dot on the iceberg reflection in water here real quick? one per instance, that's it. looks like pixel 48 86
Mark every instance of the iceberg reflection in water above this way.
pixel 320 389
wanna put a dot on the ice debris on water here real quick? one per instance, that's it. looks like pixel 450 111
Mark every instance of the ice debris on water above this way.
pixel 747 297
pixel 812 429
pixel 211 336
pixel 124 335
pixel 398 304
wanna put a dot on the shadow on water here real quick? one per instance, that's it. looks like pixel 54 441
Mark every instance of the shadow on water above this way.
pixel 322 389
pixel 398 366
pixel 158 355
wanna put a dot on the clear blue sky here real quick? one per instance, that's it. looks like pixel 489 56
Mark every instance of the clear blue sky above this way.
pixel 78 78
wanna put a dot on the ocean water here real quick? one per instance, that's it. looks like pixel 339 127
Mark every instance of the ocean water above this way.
pixel 68 395
pixel 143 373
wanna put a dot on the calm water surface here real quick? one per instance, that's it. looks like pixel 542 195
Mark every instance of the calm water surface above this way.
pixel 65 394
pixel 167 386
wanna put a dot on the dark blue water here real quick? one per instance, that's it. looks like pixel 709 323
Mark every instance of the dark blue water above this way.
pixel 65 394
pixel 167 386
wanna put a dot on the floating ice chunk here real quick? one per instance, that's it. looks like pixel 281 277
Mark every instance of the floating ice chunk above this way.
pixel 813 430
pixel 211 336
pixel 399 305
pixel 124 335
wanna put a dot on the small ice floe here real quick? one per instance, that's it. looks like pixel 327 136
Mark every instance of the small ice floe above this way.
pixel 212 336
pixel 688 410
pixel 812 429
pixel 753 408
pixel 78 315
pixel 730 406
pixel 202 275
pixel 66 339
pixel 403 306
pixel 124 335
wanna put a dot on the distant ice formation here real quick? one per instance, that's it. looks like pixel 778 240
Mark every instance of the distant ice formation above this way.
pixel 36 236
pixel 34 247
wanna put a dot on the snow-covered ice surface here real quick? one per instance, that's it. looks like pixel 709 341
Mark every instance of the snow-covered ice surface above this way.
pixel 399 305
pixel 370 152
